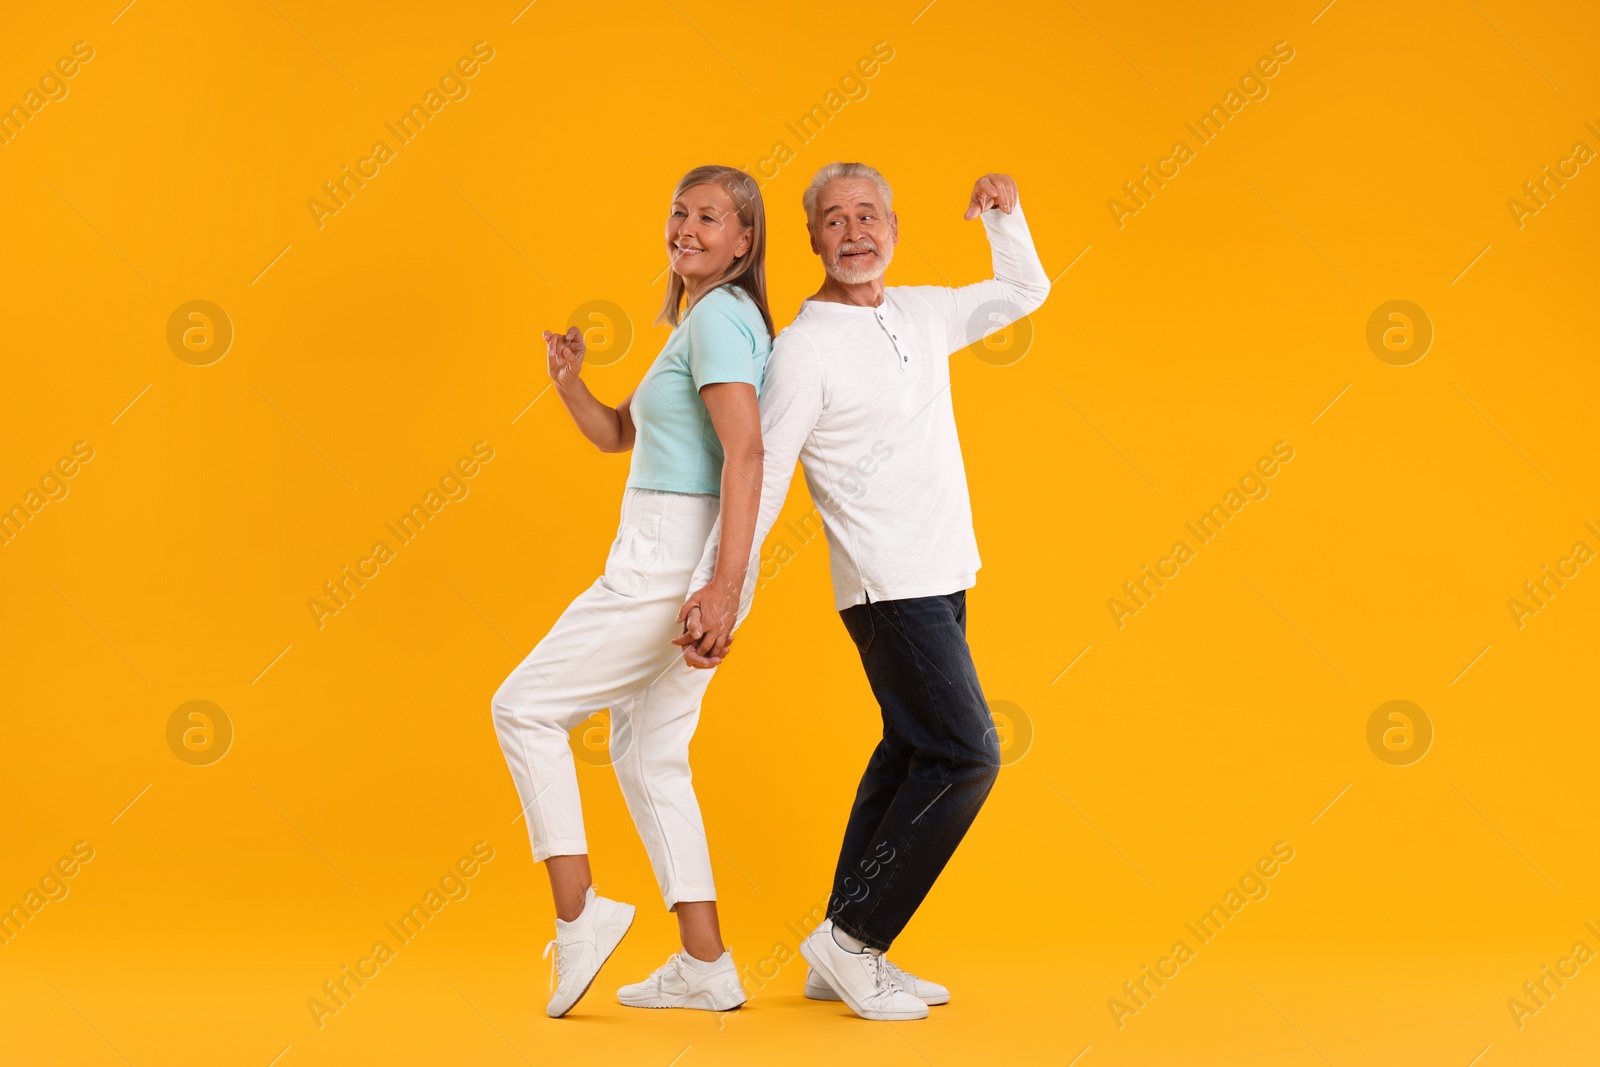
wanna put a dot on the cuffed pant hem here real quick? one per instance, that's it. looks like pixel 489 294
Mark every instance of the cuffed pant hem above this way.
pixel 688 894
pixel 574 847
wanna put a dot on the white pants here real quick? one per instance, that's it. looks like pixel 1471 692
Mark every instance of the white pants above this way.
pixel 612 648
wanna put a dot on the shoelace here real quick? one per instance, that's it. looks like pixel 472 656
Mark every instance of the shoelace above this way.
pixel 560 962
pixel 662 971
pixel 882 974
pixel 557 963
pixel 899 977
pixel 888 976
pixel 674 964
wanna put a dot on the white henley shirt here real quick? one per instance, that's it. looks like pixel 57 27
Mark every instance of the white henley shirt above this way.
pixel 861 397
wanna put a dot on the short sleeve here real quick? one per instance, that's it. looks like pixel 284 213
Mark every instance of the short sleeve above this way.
pixel 722 346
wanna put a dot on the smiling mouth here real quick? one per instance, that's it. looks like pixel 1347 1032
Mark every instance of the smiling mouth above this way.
pixel 681 251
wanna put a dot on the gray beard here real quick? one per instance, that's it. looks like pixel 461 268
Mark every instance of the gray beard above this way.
pixel 839 274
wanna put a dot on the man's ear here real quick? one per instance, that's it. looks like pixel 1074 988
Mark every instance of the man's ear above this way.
pixel 894 228
pixel 812 234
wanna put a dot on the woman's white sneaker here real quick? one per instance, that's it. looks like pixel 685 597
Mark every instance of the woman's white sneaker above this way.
pixel 930 993
pixel 685 982
pixel 582 947
pixel 862 979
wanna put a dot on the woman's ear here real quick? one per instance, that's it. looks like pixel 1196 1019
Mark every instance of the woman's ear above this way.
pixel 744 243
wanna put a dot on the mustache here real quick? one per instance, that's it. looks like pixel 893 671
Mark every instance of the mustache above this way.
pixel 858 246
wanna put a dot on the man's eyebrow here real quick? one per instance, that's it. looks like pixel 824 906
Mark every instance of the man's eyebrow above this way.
pixel 831 208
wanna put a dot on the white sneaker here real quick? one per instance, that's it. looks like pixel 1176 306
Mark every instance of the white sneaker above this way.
pixel 862 979
pixel 930 993
pixel 685 983
pixel 582 948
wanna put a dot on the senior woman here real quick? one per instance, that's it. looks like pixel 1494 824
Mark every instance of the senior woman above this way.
pixel 695 432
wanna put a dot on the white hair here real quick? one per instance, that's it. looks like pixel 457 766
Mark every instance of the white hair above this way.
pixel 835 171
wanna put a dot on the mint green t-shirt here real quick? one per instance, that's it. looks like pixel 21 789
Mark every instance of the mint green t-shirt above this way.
pixel 722 339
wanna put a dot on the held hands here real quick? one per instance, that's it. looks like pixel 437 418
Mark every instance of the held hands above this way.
pixel 992 190
pixel 565 352
pixel 708 618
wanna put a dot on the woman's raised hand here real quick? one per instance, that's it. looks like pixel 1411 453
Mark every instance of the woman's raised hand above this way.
pixel 565 353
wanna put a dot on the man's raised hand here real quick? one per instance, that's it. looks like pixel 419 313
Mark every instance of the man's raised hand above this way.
pixel 992 190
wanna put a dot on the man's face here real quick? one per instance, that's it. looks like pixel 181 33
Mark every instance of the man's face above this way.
pixel 851 231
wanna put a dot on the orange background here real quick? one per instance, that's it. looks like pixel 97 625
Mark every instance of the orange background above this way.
pixel 1231 712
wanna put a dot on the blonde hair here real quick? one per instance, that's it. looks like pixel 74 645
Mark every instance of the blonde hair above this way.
pixel 749 271
pixel 835 171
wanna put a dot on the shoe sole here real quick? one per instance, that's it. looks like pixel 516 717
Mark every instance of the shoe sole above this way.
pixel 698 1001
pixel 817 965
pixel 604 956
pixel 827 993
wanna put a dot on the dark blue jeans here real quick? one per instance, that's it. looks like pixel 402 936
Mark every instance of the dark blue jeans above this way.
pixel 930 773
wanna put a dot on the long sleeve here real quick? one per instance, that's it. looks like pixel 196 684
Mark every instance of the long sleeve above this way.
pixel 791 403
pixel 1019 285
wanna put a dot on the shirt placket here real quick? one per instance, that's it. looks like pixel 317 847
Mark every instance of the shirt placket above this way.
pixel 899 339
pixel 901 349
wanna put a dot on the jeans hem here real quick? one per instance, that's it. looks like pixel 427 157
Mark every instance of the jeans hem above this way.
pixel 862 936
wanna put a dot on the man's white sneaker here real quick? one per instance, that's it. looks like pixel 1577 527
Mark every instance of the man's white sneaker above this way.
pixel 684 982
pixel 862 979
pixel 930 993
pixel 582 948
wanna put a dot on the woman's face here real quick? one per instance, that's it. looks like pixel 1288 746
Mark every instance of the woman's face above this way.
pixel 704 234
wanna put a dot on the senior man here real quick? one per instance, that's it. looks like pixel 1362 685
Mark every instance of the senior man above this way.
pixel 858 390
